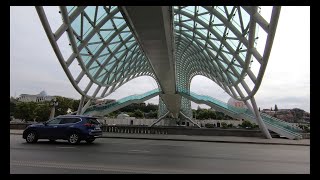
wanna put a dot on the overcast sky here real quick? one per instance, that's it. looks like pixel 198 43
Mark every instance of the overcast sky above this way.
pixel 34 66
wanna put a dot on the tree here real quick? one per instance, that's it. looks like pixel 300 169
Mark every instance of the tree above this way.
pixel 220 115
pixel 259 109
pixel 12 108
pixel 247 124
pixel 271 108
pixel 138 113
pixel 207 125
pixel 275 108
pixel 25 111
pixel 224 125
pixel 75 105
pixel 63 105
pixel 43 111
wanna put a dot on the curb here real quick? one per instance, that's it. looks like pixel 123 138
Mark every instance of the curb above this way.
pixel 200 140
pixel 195 140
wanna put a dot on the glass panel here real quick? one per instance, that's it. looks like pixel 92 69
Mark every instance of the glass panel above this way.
pixel 76 24
pixel 112 61
pixel 125 35
pixel 220 9
pixel 245 17
pixel 118 15
pixel 236 21
pixel 113 46
pixel 106 34
pixel 107 25
pixel 90 11
pixel 101 13
pixel 118 22
pixel 70 9
pixel 86 27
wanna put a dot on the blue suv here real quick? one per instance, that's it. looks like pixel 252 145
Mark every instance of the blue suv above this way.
pixel 73 128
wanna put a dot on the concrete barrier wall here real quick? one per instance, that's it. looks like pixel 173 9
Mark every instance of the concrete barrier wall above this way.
pixel 19 126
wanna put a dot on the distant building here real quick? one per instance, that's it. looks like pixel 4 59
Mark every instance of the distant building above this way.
pixel 41 97
pixel 236 103
pixel 123 116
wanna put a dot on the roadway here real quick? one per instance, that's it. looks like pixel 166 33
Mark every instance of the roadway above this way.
pixel 112 155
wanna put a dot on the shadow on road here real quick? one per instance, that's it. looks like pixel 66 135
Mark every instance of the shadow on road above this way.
pixel 62 142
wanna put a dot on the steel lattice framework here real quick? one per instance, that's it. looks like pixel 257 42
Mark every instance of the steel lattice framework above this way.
pixel 218 42
pixel 102 44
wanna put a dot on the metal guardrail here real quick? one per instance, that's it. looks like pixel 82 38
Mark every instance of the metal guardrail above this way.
pixel 135 129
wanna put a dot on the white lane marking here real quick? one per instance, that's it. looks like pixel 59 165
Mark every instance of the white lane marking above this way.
pixel 64 147
pixel 135 150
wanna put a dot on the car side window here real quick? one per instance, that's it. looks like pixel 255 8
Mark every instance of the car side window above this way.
pixel 93 121
pixel 54 121
pixel 69 120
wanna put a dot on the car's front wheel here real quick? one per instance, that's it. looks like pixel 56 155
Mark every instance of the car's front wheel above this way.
pixel 74 138
pixel 90 140
pixel 32 137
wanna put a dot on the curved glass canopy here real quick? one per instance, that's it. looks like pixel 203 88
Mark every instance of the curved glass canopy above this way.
pixel 218 42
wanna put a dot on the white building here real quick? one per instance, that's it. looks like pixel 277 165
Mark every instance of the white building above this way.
pixel 41 97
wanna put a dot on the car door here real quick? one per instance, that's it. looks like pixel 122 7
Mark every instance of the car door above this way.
pixel 51 128
pixel 65 125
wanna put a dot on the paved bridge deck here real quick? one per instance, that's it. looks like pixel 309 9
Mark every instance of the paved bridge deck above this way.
pixel 226 139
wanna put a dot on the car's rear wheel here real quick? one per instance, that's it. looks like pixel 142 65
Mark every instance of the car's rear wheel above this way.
pixel 74 138
pixel 32 137
pixel 90 140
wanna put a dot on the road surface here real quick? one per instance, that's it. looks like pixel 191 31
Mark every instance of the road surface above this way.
pixel 111 155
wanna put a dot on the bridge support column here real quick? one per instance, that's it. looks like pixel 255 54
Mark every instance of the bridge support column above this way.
pixel 85 107
pixel 160 119
pixel 261 124
pixel 189 119
pixel 81 105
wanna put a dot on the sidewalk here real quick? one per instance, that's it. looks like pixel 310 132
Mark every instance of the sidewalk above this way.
pixel 224 139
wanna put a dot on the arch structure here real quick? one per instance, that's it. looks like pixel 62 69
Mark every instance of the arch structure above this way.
pixel 218 42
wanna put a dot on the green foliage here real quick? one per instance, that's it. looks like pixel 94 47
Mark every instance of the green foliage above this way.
pixel 142 107
pixel 75 105
pixel 306 128
pixel 220 115
pixel 12 108
pixel 209 114
pixel 138 113
pixel 63 105
pixel 230 125
pixel 151 114
pixel 207 125
pixel 246 124
pixel 25 111
pixel 111 115
pixel 224 125
pixel 29 111
pixel 298 114
pixel 43 111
